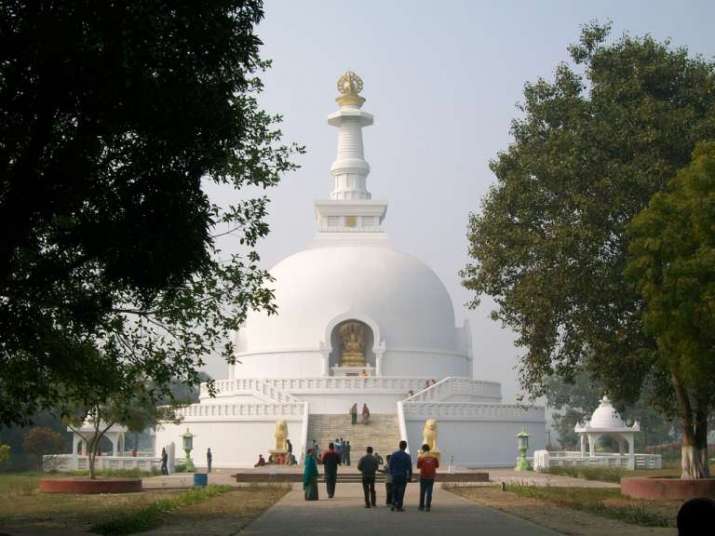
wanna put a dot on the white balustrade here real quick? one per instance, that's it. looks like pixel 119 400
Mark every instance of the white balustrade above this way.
pixel 204 410
pixel 73 462
pixel 574 458
pixel 473 410
pixel 454 386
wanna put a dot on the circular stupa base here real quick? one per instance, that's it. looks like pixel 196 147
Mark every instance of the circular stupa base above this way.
pixel 667 488
pixel 86 486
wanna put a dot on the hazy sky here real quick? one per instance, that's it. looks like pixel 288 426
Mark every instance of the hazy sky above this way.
pixel 442 79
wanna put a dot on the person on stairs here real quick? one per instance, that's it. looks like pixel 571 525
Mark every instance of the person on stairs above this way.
pixel 331 460
pixel 427 464
pixel 353 413
pixel 401 471
pixel 368 467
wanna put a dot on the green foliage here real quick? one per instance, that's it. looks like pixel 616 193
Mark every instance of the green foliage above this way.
pixel 40 441
pixel 5 451
pixel 550 242
pixel 594 501
pixel 14 436
pixel 672 265
pixel 151 516
pixel 114 119
pixel 603 474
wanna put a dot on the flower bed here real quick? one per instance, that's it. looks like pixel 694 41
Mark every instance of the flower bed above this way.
pixel 86 486
pixel 667 488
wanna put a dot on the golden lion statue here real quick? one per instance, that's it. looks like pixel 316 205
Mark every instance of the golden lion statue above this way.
pixel 429 436
pixel 281 434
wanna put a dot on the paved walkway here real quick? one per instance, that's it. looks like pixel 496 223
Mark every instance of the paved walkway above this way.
pixel 346 515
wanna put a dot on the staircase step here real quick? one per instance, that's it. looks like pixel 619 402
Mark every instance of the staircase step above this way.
pixel 381 432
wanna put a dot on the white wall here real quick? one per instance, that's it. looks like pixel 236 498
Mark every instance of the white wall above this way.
pixel 478 443
pixel 233 443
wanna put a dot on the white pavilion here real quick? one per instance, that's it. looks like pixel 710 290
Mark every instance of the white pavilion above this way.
pixel 358 322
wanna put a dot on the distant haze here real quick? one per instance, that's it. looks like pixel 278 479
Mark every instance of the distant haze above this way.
pixel 442 79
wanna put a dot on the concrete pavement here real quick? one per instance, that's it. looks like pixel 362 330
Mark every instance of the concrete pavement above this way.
pixel 345 515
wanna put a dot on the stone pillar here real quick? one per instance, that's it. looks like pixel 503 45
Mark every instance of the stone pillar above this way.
pixel 583 445
pixel 592 445
pixel 325 356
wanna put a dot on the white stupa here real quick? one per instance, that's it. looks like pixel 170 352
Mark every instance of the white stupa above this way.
pixel 358 322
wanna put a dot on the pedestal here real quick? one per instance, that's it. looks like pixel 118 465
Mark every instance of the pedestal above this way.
pixel 353 371
pixel 279 457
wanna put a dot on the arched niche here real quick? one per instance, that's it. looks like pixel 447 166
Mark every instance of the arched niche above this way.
pixel 336 343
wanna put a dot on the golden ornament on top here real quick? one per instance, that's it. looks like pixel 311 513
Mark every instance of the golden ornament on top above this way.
pixel 350 84
pixel 349 87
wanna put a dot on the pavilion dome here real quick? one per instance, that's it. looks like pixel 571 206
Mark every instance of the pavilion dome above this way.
pixel 606 416
pixel 397 293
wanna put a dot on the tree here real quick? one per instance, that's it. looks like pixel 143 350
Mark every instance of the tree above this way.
pixel 672 264
pixel 550 243
pixel 40 441
pixel 133 405
pixel 112 116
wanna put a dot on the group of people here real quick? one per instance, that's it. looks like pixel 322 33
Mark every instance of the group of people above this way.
pixel 397 471
pixel 287 459
pixel 365 415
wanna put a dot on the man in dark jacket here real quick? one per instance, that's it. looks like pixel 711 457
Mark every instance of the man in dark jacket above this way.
pixel 368 467
pixel 401 471
pixel 331 460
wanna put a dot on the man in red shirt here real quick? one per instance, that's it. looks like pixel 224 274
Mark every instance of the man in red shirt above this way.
pixel 427 464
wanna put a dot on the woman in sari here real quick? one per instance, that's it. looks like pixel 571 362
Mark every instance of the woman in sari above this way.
pixel 310 477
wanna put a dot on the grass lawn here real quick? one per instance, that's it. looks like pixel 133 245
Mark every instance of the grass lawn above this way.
pixel 614 474
pixel 606 502
pixel 22 506
pixel 571 507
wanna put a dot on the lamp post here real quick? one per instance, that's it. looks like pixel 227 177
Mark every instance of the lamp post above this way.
pixel 188 440
pixel 522 464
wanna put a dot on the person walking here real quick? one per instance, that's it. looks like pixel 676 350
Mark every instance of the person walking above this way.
pixel 401 471
pixel 348 447
pixel 331 460
pixel 353 413
pixel 388 481
pixel 209 459
pixel 368 467
pixel 427 464
pixel 310 477
pixel 164 462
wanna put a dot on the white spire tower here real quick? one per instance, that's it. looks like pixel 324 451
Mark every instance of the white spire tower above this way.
pixel 350 208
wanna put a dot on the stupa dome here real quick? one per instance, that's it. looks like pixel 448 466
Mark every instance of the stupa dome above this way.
pixel 397 294
pixel 606 416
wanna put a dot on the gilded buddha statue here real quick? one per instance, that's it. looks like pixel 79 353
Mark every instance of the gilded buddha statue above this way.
pixel 352 337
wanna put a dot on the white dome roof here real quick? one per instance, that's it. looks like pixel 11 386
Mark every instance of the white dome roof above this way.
pixel 395 292
pixel 606 416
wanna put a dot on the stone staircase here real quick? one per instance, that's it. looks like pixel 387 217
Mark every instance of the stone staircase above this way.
pixel 382 433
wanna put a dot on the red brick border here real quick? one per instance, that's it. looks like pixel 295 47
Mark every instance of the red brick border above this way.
pixel 667 488
pixel 86 486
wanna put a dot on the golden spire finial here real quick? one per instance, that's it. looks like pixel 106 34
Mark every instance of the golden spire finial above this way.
pixel 349 86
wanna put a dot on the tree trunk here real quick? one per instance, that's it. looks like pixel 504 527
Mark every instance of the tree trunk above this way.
pixel 92 457
pixel 693 452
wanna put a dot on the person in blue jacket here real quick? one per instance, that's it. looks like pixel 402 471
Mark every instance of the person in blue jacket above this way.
pixel 401 471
